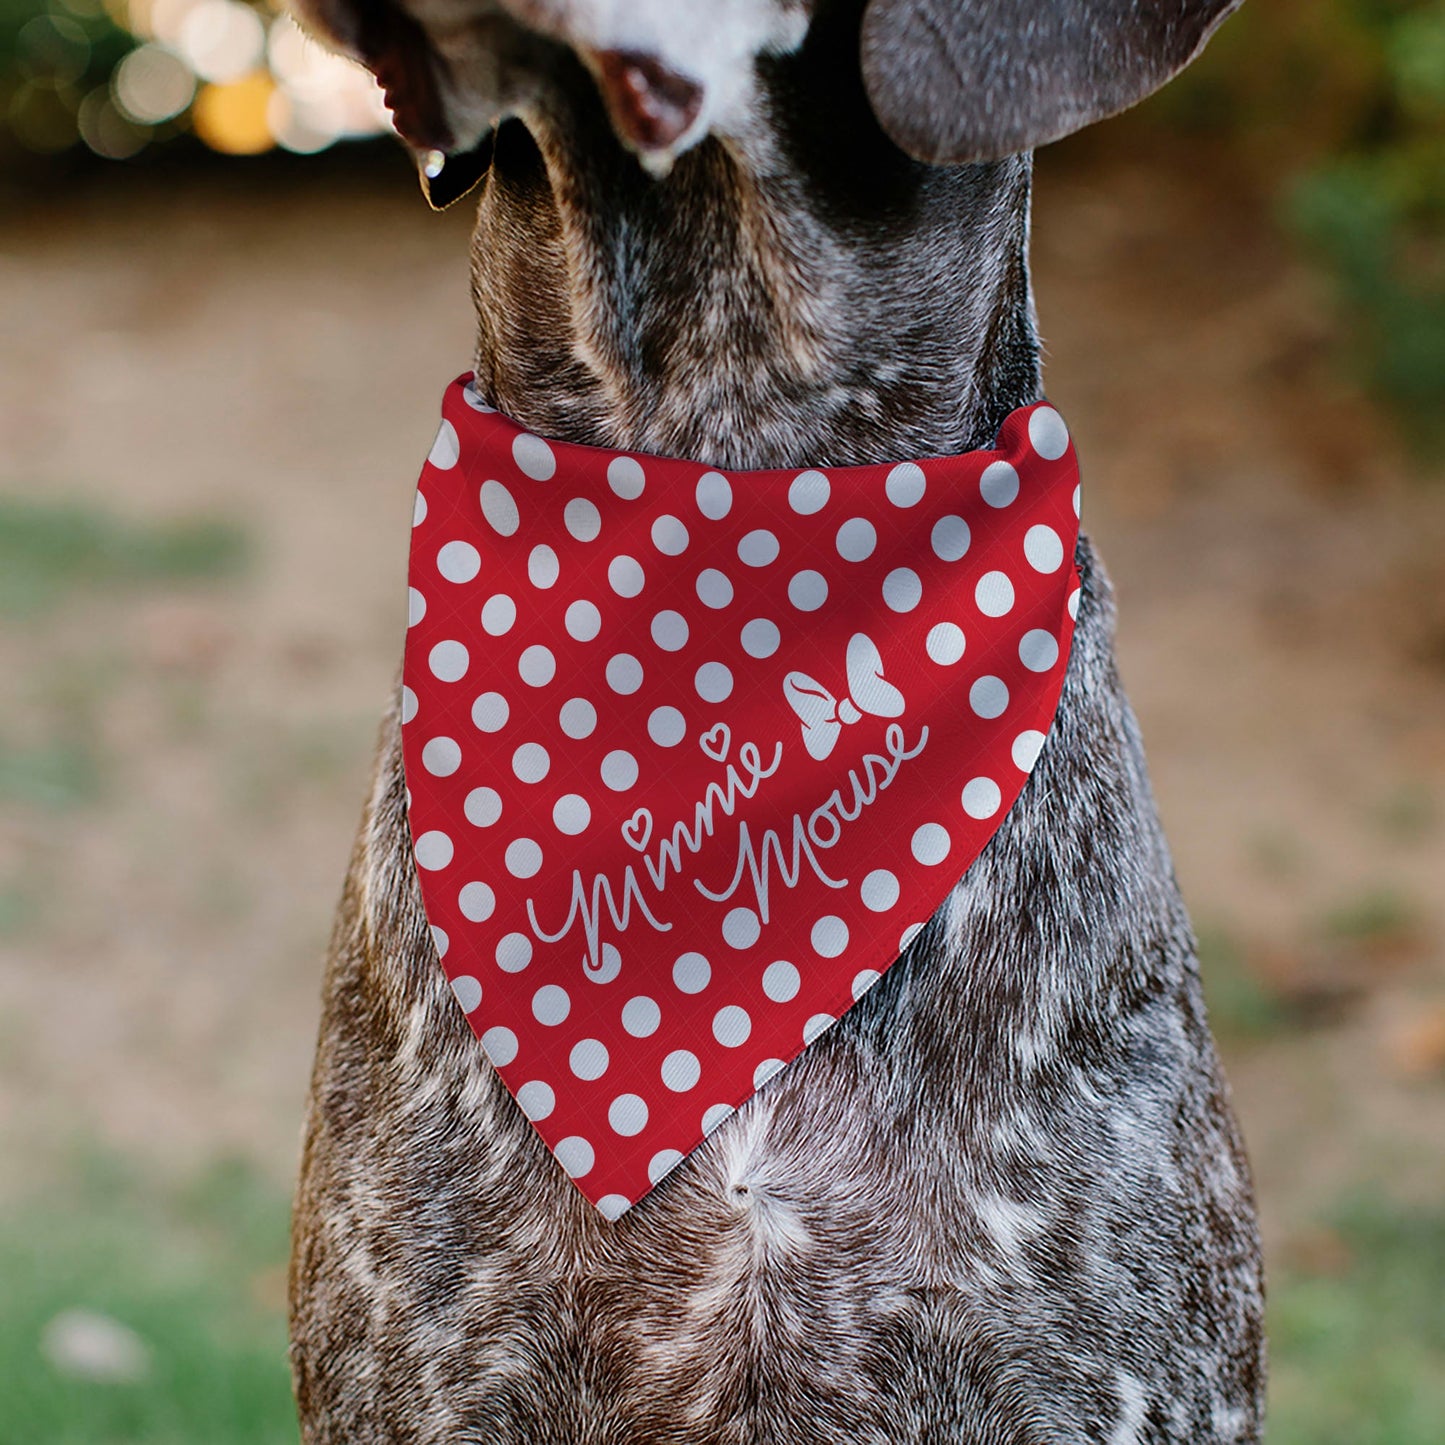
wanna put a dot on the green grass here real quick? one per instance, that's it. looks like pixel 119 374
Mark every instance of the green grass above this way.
pixel 195 1275
pixel 49 550
pixel 1358 1353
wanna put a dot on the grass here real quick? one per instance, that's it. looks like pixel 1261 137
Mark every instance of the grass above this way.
pixel 195 1275
pixel 49 550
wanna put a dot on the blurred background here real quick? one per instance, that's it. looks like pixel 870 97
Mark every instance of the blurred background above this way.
pixel 226 318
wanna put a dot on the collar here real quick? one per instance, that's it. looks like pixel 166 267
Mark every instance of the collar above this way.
pixel 692 755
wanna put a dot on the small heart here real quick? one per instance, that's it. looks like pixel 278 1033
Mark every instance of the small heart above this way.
pixel 637 830
pixel 716 741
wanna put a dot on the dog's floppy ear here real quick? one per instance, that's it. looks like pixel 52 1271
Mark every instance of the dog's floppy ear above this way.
pixel 975 80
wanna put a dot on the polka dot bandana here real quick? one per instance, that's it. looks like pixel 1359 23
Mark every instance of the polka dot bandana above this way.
pixel 692 755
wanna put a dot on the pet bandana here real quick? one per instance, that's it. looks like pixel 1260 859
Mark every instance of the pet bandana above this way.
pixel 692 755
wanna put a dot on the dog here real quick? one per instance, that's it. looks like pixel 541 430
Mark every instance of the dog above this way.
pixel 1004 1198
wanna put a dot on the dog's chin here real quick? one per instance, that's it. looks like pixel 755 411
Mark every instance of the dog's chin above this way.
pixel 448 176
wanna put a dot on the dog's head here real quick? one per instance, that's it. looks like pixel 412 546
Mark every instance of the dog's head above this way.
pixel 949 81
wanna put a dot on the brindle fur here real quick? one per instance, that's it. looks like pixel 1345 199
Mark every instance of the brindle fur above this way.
pixel 1003 1199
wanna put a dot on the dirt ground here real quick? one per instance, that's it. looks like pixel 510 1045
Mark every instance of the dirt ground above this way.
pixel 273 355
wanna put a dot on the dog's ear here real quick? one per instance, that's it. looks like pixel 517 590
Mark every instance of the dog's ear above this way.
pixel 975 80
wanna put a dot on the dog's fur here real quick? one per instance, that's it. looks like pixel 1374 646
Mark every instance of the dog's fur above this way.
pixel 1003 1200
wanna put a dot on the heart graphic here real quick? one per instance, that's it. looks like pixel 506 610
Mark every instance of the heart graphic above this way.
pixel 716 741
pixel 642 932
pixel 637 830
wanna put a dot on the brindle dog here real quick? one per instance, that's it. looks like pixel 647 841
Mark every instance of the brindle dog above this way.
pixel 1003 1200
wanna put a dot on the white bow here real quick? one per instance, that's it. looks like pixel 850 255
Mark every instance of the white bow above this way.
pixel 823 716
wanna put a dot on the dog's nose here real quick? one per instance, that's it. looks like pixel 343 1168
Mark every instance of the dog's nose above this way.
pixel 651 106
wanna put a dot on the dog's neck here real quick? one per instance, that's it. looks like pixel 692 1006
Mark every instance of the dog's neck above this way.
pixel 805 296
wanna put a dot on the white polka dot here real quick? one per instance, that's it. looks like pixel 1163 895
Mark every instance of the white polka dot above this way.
pixel 994 594
pixel 459 561
pixel 761 638
pixel 624 673
pixel 523 857
pixel 808 590
pixel 999 484
pixel 536 666
pixel 714 682
pixel 856 539
pixel 945 643
pixel 931 843
pixel 588 1059
pixel 669 631
pixel 490 712
pixel 1049 435
pixel 613 1206
pixel 731 1026
pixel 575 1155
pixel 571 814
pixel 543 568
pixel 758 548
pixel 716 1115
pixel 537 1099
pixel 550 1004
pixel 781 981
pixel 691 973
pixel 531 763
pixel 499 612
pixel 446 448
pixel 879 890
pixel 415 607
pixel 681 1071
pixel 513 952
pixel 499 509
pixel 908 935
pixel 818 1024
pixel 483 807
pixel 981 798
pixel 666 726
pixel 950 538
pixel 441 757
pixel 641 1016
pixel 669 535
pixel 625 477
pixel 408 704
pixel 1077 500
pixel 902 589
pixel 988 697
pixel 578 718
pixel 1043 549
pixel 863 980
pixel 766 1070
pixel 582 519
pixel 808 493
pixel 714 589
pixel 433 850
pixel 627 1114
pixel 448 661
pixel 608 967
pixel 1026 749
pixel 619 770
pixel 501 1045
pixel 468 992
pixel 741 928
pixel 829 936
pixel 906 484
pixel 625 576
pixel 663 1163
pixel 474 399
pixel 1038 650
pixel 714 496
pixel 533 457
pixel 441 939
pixel 583 621
pixel 1074 603
pixel 418 510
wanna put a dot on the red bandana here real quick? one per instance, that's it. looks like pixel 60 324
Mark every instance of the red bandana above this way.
pixel 693 755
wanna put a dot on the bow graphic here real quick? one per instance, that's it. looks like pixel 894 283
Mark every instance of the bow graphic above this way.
pixel 824 716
